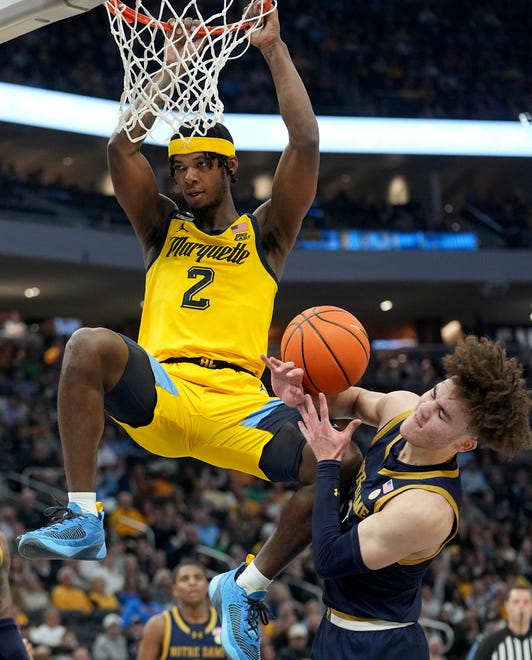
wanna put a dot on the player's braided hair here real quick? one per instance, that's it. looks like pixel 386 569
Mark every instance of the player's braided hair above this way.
pixel 494 391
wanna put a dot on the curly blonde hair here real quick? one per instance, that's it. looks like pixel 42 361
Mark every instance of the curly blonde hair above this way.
pixel 494 391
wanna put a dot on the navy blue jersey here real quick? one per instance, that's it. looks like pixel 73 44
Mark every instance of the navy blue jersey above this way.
pixel 392 593
pixel 191 640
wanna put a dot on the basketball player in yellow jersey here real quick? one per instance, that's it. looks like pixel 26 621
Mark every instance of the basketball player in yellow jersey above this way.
pixel 191 385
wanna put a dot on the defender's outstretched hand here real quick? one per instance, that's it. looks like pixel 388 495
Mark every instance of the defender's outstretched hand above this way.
pixel 326 442
pixel 286 380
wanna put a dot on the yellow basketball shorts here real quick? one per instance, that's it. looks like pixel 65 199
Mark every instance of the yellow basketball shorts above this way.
pixel 219 416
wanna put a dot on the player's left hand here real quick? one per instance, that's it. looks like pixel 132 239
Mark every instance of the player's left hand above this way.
pixel 326 442
pixel 270 31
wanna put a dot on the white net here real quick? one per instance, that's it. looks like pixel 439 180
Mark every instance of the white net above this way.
pixel 183 94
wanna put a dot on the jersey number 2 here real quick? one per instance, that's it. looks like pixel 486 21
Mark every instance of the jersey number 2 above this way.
pixel 204 276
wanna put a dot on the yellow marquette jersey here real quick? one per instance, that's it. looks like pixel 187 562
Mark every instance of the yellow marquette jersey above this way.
pixel 209 295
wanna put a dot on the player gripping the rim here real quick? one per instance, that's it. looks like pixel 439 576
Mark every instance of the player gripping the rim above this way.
pixel 190 387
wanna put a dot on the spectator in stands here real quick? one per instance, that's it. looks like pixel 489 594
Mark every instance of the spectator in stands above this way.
pixel 436 647
pixel 31 594
pixel 140 604
pixel 50 632
pixel 9 523
pixel 67 596
pixel 297 647
pixel 111 568
pixel 127 520
pixel 132 579
pixel 163 587
pixel 111 643
pixel 134 634
pixel 289 613
pixel 102 599
pixel 313 611
pixel 267 649
pixel 474 480
pixel 144 553
pixel 29 513
pixel 278 593
pixel 68 645
pixel 208 530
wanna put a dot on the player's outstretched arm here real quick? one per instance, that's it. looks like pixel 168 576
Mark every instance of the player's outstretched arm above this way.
pixel 134 182
pixel 295 180
pixel 327 443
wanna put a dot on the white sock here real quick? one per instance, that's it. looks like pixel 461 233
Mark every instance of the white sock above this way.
pixel 251 579
pixel 85 501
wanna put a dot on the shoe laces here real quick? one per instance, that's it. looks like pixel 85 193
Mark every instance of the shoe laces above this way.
pixel 258 613
pixel 59 514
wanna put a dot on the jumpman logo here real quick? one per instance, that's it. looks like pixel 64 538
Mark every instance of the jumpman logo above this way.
pixel 183 228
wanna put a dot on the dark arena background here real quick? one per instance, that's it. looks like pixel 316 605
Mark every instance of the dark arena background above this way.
pixel 421 228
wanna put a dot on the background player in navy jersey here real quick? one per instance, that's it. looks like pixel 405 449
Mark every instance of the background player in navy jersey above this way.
pixel 191 385
pixel 191 629
pixel 404 503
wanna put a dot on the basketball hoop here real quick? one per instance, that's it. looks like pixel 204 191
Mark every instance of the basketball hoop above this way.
pixel 189 98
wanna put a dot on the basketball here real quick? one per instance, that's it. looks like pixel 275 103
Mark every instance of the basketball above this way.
pixel 330 345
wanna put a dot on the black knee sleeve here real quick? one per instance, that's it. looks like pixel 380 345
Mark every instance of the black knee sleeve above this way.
pixel 281 457
pixel 132 400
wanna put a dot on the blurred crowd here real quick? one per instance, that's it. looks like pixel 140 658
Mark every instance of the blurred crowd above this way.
pixel 159 511
pixel 497 223
pixel 414 58
pixel 382 58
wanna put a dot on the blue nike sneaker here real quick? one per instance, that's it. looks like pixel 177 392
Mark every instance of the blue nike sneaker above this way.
pixel 240 614
pixel 72 535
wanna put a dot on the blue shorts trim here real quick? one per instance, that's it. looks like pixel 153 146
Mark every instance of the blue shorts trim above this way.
pixel 162 379
pixel 255 420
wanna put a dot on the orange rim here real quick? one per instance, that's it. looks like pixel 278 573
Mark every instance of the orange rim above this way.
pixel 130 16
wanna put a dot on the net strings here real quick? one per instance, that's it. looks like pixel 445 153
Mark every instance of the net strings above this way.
pixel 190 98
